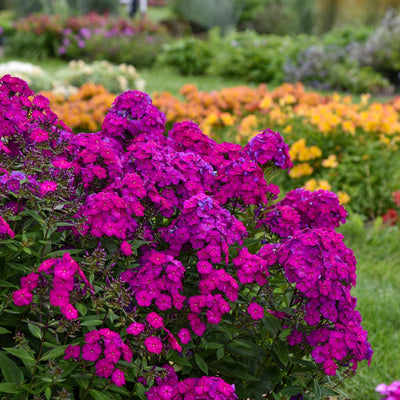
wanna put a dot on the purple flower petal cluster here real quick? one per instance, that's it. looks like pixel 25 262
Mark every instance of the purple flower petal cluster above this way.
pixel 106 348
pixel 323 269
pixel 269 147
pixel 108 214
pixel 251 268
pixel 158 278
pixel 302 209
pixel 132 113
pixel 205 388
pixel 208 227
pixel 96 157
pixel 64 272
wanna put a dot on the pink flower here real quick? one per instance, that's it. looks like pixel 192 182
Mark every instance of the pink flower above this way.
pixel 118 377
pixel 153 344
pixel 255 311
pixel 104 368
pixel 184 336
pixel 126 248
pixel 135 328
pixel 174 343
pixel 92 337
pixel 46 265
pixel 91 351
pixel 126 353
pixel 47 186
pixel 143 298
pixel 39 135
pixel 69 311
pixel 112 353
pixel 72 351
pixel 59 297
pixel 330 367
pixel 163 302
pixel 22 297
pixel 30 281
pixel 5 228
pixel 155 320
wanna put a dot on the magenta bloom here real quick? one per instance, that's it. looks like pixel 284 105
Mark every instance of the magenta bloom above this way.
pixel 91 351
pixel 47 186
pixel 135 328
pixel 112 353
pixel 126 248
pixel 72 351
pixel 92 337
pixel 46 265
pixel 184 336
pixel 153 344
pixel 5 228
pixel 104 368
pixel 69 311
pixel 155 320
pixel 22 297
pixel 118 377
pixel 255 311
pixel 30 281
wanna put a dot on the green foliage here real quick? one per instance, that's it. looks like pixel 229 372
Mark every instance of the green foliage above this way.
pixel 189 56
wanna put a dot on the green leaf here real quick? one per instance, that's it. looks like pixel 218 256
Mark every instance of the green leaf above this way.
pixel 220 353
pixel 201 363
pixel 282 351
pixel 10 370
pixel 9 388
pixel 97 395
pixel 81 308
pixel 54 353
pixel 177 359
pixel 7 284
pixel 94 322
pixel 22 354
pixel 3 330
pixel 34 329
pixel 140 391
pixel 317 389
pixel 291 390
pixel 47 393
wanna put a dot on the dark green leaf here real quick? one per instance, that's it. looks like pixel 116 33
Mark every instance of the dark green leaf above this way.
pixel 22 354
pixel 94 322
pixel 201 363
pixel 7 284
pixel 97 395
pixel 140 391
pixel 282 351
pixel 54 353
pixel 317 389
pixel 10 370
pixel 3 331
pixel 220 353
pixel 291 390
pixel 34 329
pixel 9 388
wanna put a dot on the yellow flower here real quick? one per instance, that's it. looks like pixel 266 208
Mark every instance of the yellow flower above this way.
pixel 343 197
pixel 288 129
pixel 330 162
pixel 311 185
pixel 248 125
pixel 300 170
pixel 211 119
pixel 324 185
pixel 266 102
pixel 227 119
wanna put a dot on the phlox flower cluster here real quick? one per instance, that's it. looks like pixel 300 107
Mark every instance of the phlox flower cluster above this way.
pixel 323 271
pixel 269 147
pixel 161 216
pixel 105 348
pixel 302 209
pixel 205 388
pixel 390 392
pixel 65 274
pixel 208 227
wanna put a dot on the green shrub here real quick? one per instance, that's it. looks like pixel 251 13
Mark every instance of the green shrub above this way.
pixel 190 56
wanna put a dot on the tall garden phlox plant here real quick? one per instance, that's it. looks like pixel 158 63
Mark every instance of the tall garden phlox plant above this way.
pixel 139 263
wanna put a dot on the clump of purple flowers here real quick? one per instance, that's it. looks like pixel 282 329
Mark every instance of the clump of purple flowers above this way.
pixel 170 243
pixel 390 392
